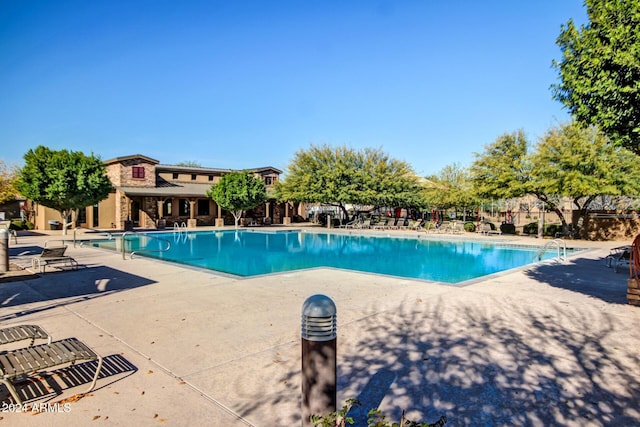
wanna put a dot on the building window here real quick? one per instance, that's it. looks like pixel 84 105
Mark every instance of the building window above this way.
pixel 270 180
pixel 175 175
pixel 193 177
pixel 183 207
pixel 210 177
pixel 203 207
pixel 96 212
pixel 137 172
pixel 166 208
pixel 82 216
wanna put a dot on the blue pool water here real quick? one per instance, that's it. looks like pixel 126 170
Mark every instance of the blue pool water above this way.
pixel 250 253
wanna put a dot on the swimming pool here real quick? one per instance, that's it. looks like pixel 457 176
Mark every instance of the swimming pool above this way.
pixel 251 252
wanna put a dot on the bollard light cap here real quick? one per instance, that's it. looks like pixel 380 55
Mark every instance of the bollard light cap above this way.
pixel 318 306
pixel 319 319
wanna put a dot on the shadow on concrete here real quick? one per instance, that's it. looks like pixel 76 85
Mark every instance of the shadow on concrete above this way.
pixel 552 364
pixel 372 394
pixel 586 276
pixel 24 251
pixel 50 385
pixel 535 368
pixel 65 288
pixel 30 233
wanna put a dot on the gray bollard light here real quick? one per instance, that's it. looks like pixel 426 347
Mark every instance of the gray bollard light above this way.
pixel 319 345
pixel 4 250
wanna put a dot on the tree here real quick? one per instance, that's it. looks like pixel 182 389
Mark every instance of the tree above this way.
pixel 189 163
pixel 63 180
pixel 452 188
pixel 340 176
pixel 237 192
pixel 580 163
pixel 600 70
pixel 503 170
pixel 7 183
pixel 569 161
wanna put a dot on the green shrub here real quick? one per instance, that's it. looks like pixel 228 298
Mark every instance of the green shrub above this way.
pixel 552 229
pixel 17 225
pixel 549 229
pixel 375 418
pixel 508 229
pixel 21 225
pixel 470 227
pixel 339 418
pixel 531 228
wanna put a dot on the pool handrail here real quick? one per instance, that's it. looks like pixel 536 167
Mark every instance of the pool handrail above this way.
pixel 180 228
pixel 124 239
pixel 557 242
pixel 82 242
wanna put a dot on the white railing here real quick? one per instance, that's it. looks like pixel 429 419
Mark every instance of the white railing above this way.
pixel 561 246
pixel 124 245
pixel 181 228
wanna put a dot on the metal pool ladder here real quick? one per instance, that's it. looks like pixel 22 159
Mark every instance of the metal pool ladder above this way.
pixel 180 228
pixel 124 246
pixel 560 244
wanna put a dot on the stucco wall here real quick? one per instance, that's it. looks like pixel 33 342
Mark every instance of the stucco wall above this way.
pixel 611 225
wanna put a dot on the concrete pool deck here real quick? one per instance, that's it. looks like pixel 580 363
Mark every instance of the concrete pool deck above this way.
pixel 551 344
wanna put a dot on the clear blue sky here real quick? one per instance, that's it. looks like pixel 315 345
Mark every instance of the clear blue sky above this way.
pixel 239 84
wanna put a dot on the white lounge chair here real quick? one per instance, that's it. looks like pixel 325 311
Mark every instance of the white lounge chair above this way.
pixel 485 228
pixel 351 224
pixel 365 224
pixel 384 224
pixel 22 362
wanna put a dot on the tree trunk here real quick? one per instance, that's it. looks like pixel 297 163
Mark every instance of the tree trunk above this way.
pixel 541 222
pixel 236 216
pixel 583 211
pixel 65 221
pixel 344 211
pixel 76 214
pixel 555 209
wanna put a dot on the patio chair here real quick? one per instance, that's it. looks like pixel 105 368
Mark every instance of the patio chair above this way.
pixel 365 224
pixel 384 224
pixel 485 229
pixel 445 227
pixel 457 227
pixel 618 256
pixel 429 227
pixel 417 225
pixel 16 364
pixel 351 224
pixel 407 224
pixel 53 255
pixel 16 333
